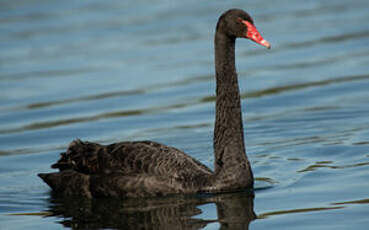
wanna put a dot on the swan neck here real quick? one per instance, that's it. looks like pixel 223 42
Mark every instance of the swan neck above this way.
pixel 230 161
pixel 224 56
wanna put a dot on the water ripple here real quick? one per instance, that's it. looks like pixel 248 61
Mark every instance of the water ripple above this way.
pixel 157 109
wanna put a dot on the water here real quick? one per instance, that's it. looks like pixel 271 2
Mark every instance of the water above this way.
pixel 133 70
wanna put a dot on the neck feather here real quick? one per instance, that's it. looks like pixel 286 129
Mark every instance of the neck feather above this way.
pixel 230 156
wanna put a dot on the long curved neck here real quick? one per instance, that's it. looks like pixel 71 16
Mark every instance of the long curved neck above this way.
pixel 230 161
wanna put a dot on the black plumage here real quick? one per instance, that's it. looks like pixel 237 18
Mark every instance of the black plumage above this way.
pixel 147 168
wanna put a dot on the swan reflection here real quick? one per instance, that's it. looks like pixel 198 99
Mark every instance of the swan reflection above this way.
pixel 234 211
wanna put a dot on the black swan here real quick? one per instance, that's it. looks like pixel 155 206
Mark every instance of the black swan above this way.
pixel 147 168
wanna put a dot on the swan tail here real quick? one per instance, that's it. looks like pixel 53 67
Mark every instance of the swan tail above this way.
pixel 68 183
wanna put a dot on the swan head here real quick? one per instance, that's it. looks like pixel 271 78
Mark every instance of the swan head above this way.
pixel 236 23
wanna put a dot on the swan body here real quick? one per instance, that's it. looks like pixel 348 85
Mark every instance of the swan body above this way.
pixel 147 168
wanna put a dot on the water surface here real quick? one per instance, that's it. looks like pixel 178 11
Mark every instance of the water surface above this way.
pixel 127 70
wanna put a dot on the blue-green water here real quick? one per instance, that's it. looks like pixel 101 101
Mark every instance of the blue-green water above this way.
pixel 108 71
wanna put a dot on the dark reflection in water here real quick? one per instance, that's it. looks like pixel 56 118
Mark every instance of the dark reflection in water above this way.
pixel 234 211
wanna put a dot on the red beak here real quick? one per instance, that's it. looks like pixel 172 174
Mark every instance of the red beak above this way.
pixel 254 35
